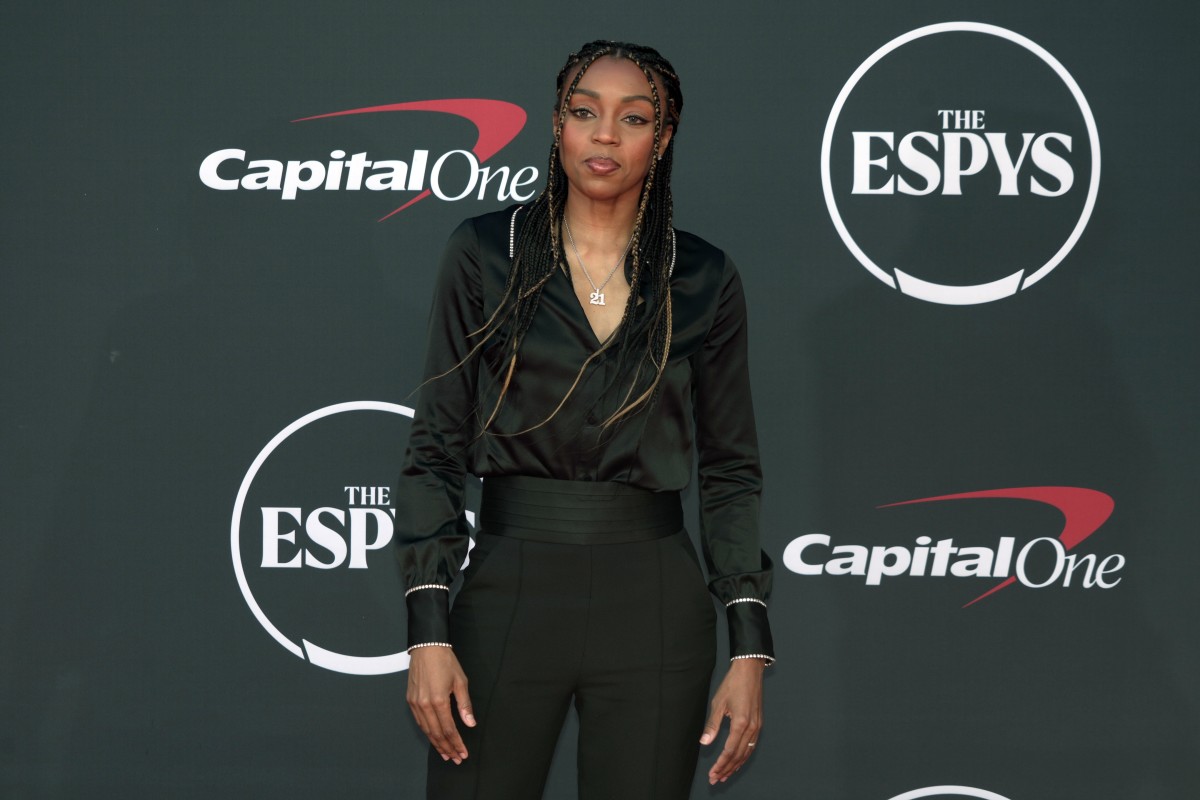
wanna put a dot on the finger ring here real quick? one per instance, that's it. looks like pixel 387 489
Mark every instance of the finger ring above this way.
pixel 751 744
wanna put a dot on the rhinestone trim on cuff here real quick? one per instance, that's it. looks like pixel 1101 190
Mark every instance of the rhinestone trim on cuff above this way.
pixel 431 644
pixel 746 600
pixel 427 586
pixel 769 659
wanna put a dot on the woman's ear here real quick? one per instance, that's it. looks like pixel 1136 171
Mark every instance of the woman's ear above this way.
pixel 668 131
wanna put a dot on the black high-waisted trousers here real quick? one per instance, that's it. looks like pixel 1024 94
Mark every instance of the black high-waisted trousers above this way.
pixel 584 592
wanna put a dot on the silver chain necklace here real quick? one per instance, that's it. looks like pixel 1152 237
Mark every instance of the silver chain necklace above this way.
pixel 596 298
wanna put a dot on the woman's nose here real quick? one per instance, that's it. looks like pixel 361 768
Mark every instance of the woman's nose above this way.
pixel 606 131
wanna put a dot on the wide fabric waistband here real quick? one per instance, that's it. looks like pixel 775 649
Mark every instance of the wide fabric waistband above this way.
pixel 577 512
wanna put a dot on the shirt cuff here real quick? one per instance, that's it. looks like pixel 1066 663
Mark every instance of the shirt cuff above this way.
pixel 749 630
pixel 428 615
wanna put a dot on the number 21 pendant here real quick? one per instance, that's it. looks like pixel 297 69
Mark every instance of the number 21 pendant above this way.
pixel 596 298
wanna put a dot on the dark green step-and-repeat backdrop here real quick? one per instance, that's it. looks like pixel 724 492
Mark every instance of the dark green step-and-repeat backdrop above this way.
pixel 967 232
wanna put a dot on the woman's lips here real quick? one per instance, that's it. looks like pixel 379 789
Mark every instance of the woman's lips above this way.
pixel 600 165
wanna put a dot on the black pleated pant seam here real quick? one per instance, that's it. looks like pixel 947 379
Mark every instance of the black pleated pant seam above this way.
pixel 512 614
pixel 587 619
pixel 662 658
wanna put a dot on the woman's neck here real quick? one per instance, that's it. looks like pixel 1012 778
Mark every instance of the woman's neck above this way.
pixel 598 225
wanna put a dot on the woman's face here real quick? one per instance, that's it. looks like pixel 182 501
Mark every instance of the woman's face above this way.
pixel 608 135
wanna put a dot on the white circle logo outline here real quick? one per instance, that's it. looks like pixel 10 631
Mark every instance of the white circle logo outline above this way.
pixel 949 791
pixel 977 293
pixel 336 662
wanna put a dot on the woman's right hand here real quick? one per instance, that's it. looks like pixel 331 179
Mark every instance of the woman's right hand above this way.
pixel 434 676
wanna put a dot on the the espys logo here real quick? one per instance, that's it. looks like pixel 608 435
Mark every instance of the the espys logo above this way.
pixel 960 163
pixel 949 791
pixel 310 537
pixel 1041 562
pixel 424 174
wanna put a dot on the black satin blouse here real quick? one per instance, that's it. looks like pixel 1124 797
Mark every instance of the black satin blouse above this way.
pixel 704 402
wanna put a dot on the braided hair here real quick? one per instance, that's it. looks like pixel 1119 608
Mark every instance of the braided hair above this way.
pixel 642 345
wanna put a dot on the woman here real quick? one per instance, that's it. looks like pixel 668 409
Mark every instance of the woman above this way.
pixel 577 345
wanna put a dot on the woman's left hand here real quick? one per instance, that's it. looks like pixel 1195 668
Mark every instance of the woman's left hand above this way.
pixel 739 697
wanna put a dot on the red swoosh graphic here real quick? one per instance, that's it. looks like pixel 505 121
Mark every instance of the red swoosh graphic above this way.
pixel 497 122
pixel 1083 510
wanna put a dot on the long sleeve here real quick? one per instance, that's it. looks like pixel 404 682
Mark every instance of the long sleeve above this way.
pixel 730 474
pixel 432 535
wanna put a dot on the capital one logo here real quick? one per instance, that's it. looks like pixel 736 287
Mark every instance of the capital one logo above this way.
pixel 1033 562
pixel 311 538
pixel 450 174
pixel 960 163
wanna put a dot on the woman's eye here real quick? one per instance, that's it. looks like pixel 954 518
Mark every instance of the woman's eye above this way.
pixel 635 119
pixel 580 112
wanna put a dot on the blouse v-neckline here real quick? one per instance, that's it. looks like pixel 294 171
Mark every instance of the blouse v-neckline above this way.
pixel 582 312
pixel 594 342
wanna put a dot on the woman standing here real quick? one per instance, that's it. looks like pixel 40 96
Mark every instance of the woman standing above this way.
pixel 580 350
